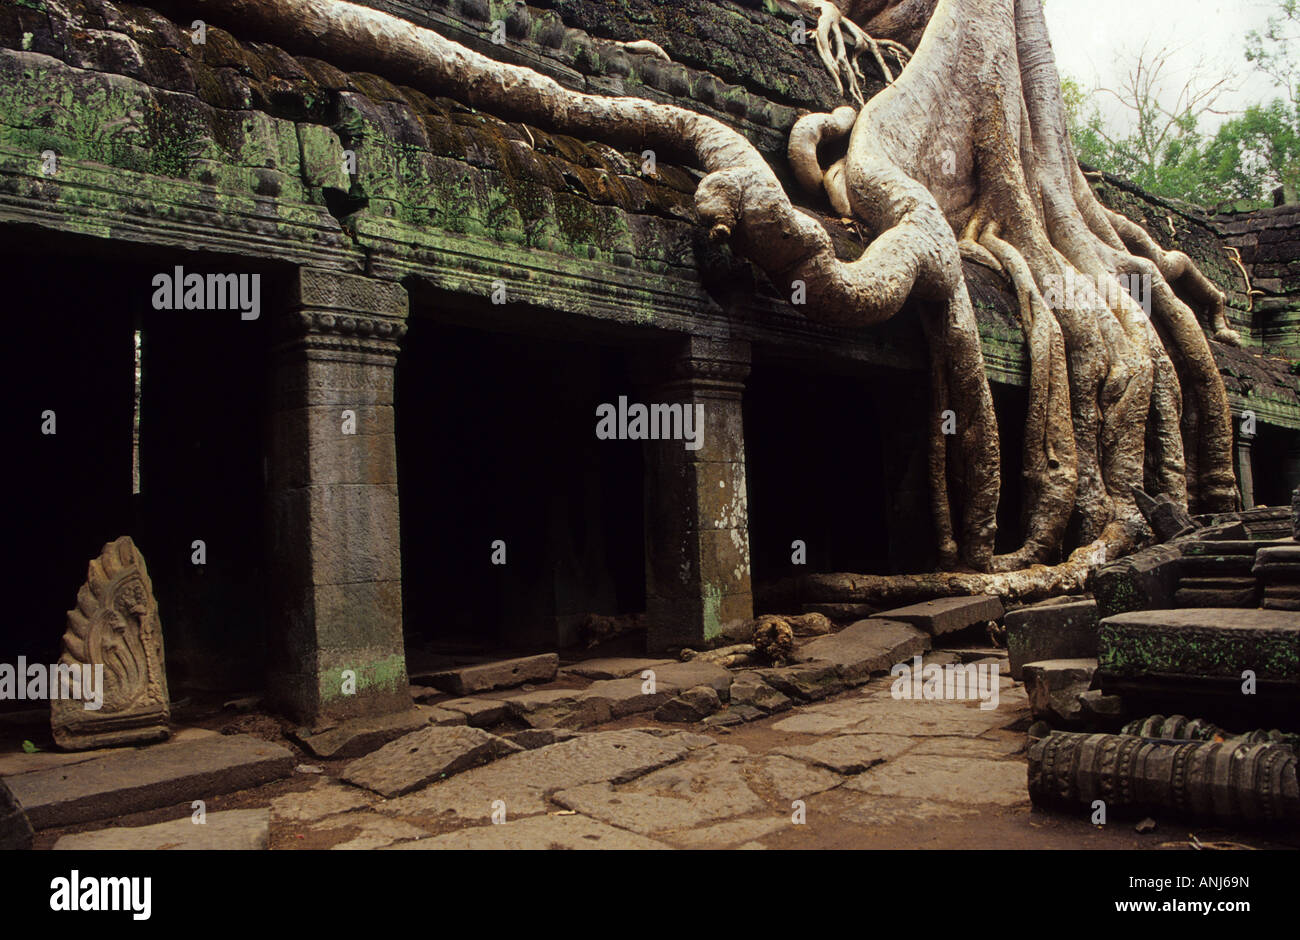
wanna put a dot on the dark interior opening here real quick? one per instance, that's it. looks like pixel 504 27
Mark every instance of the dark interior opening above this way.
pixel 496 441
pixel 815 464
pixel 1012 406
pixel 72 351
pixel 1275 463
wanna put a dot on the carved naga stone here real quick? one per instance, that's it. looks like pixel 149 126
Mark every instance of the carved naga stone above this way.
pixel 114 626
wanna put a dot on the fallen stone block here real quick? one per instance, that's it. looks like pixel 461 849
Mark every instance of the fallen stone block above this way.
pixel 1281 563
pixel 1141 581
pixel 132 781
pixel 840 613
pixel 424 756
pixel 807 681
pixel 232 830
pixel 478 712
pixel 1051 631
pixel 625 697
pixel 505 674
pixel 531 738
pixel 733 715
pixel 359 736
pixel 621 667
pixel 947 614
pixel 866 647
pixel 689 675
pixel 15 830
pixel 692 705
pixel 749 689
pixel 1054 687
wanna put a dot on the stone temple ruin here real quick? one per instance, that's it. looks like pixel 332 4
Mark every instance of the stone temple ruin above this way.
pixel 355 437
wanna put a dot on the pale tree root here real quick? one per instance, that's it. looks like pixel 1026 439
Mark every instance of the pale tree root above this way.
pixel 1026 584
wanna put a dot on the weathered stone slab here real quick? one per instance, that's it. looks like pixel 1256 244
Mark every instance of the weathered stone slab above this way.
pixel 521 780
pixel 923 777
pixel 1207 642
pixel 850 753
pixel 420 758
pixel 842 612
pixel 114 629
pixel 484 677
pixel 620 667
pixel 887 715
pixel 327 797
pixel 1142 581
pixel 147 778
pixel 689 675
pixel 478 712
pixel 357 737
pixel 540 737
pixel 537 833
pixel 866 647
pixel 1217 592
pixel 692 705
pixel 809 681
pixel 368 831
pixel 947 614
pixel 15 830
pixel 1278 564
pixel 749 689
pixel 602 701
pixel 1051 631
pixel 1054 687
pixel 235 830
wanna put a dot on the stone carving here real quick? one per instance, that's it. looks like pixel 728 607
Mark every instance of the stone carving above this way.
pixel 114 625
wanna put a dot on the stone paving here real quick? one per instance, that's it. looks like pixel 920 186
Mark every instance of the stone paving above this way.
pixel 860 757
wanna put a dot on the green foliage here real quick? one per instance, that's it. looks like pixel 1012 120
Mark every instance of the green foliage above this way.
pixel 1238 167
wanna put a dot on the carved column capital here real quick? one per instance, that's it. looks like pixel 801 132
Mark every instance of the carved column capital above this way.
pixel 330 311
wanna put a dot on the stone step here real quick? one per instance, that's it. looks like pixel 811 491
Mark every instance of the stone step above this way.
pixel 502 674
pixel 139 779
pixel 230 830
pixel 1213 566
pixel 1278 564
pixel 1052 630
pixel 1210 643
pixel 947 614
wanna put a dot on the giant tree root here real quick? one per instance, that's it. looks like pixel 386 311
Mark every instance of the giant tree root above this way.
pixel 969 138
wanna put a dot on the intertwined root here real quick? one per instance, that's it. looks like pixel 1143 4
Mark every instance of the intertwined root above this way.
pixel 833 49
pixel 971 138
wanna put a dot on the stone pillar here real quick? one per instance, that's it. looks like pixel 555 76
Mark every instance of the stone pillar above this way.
pixel 1245 469
pixel 336 565
pixel 697 515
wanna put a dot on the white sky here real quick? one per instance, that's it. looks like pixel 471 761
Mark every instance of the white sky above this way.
pixel 1091 37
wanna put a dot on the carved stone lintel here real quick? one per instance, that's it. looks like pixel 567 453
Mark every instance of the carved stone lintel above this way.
pixel 114 629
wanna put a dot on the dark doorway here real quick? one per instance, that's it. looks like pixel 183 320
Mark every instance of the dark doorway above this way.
pixel 496 444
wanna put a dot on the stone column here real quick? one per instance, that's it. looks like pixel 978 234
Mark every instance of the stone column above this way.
pixel 336 566
pixel 1245 469
pixel 697 515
